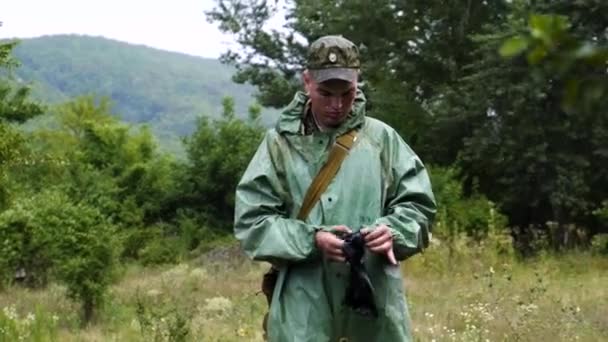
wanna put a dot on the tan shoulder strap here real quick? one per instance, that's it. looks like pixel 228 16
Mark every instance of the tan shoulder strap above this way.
pixel 337 154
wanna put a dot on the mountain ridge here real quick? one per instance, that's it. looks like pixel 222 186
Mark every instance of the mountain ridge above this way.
pixel 166 90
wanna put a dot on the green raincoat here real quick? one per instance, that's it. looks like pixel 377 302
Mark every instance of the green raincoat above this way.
pixel 381 181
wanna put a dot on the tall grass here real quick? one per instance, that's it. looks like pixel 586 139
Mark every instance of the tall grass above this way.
pixel 469 292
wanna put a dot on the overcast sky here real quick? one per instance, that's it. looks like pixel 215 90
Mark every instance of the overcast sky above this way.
pixel 176 25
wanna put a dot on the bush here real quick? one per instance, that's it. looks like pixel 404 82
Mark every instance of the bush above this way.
pixel 218 153
pixel 474 216
pixel 164 320
pixel 191 231
pixel 136 239
pixel 161 251
pixel 602 213
pixel 87 256
pixel 48 234
pixel 28 232
pixel 599 244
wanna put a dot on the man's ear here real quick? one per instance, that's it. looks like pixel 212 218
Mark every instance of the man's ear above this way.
pixel 307 82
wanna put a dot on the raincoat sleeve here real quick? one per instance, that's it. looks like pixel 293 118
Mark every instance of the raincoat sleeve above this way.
pixel 262 224
pixel 410 205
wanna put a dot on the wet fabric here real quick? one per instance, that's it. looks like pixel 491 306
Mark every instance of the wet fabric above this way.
pixel 382 181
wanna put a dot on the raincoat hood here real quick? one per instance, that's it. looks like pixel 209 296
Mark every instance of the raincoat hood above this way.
pixel 291 117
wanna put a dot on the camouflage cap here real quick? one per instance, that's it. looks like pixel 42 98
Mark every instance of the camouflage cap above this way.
pixel 333 57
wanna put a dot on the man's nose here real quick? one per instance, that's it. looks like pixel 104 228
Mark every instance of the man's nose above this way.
pixel 336 101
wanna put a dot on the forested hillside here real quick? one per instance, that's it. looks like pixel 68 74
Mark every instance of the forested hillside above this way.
pixel 163 89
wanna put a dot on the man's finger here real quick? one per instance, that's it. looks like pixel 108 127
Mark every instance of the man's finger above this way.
pixel 338 259
pixel 379 241
pixel 382 248
pixel 335 243
pixel 335 256
pixel 391 257
pixel 335 251
pixel 374 234
pixel 334 246
pixel 341 229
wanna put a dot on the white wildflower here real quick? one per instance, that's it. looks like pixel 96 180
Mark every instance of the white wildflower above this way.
pixel 198 274
pixel 153 293
pixel 217 304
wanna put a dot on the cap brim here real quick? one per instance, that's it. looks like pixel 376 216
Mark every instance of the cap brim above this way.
pixel 345 74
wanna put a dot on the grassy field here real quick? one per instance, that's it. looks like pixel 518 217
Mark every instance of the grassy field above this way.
pixel 460 294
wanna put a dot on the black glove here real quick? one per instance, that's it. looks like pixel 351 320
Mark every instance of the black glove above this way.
pixel 360 292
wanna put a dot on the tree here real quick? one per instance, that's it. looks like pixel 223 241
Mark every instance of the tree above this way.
pixel 104 163
pixel 541 160
pixel 434 72
pixel 123 164
pixel 50 234
pixel 218 153
pixel 16 106
pixel 413 52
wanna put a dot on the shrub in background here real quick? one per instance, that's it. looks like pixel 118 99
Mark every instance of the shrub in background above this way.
pixel 50 235
pixel 475 216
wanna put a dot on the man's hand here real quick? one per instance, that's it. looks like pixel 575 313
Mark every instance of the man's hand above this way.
pixel 330 244
pixel 380 240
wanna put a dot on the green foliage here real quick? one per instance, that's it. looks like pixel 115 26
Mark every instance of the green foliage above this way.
pixel 109 165
pixel 191 233
pixel 37 326
pixel 158 244
pixel 15 102
pixel 526 143
pixel 49 234
pixel 87 257
pixel 110 180
pixel 11 148
pixel 218 153
pixel 136 239
pixel 163 321
pixel 474 216
pixel 599 244
pixel 162 250
pixel 549 43
pixel 28 240
pixel 602 212
pixel 16 106
pixel 6 58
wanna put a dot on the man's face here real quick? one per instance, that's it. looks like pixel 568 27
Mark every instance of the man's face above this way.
pixel 331 101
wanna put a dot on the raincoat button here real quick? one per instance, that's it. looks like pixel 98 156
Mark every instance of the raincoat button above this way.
pixel 329 199
pixel 343 339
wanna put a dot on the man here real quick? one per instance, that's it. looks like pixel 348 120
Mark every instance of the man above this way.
pixel 381 188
